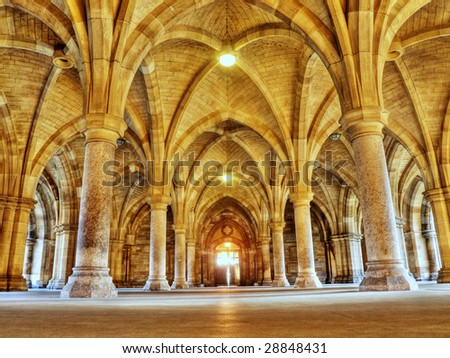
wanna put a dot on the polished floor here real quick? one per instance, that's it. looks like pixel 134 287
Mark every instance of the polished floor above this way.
pixel 335 311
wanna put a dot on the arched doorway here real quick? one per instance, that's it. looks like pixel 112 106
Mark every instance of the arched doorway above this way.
pixel 227 270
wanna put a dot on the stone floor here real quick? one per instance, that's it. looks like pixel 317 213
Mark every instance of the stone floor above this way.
pixel 335 311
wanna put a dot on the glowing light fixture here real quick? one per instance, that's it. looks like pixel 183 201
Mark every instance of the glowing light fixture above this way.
pixel 227 59
pixel 335 136
pixel 226 178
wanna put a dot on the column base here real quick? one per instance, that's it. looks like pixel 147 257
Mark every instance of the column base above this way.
pixel 387 276
pixel 280 282
pixel 13 284
pixel 191 284
pixel 55 284
pixel 443 276
pixel 348 279
pixel 307 281
pixel 267 282
pixel 120 283
pixel 179 285
pixel 156 285
pixel 89 282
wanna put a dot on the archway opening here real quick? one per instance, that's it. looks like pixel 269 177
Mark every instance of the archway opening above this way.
pixel 227 270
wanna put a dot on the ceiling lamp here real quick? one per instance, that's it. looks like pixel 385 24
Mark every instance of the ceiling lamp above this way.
pixel 335 136
pixel 227 59
pixel 226 178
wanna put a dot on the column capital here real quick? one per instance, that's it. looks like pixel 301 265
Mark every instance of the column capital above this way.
pixel 179 229
pixel 264 239
pixel 103 127
pixel 190 242
pixel 277 226
pixel 437 194
pixel 400 222
pixel 346 237
pixel 14 203
pixel 65 228
pixel 429 234
pixel 364 121
pixel 159 202
pixel 301 199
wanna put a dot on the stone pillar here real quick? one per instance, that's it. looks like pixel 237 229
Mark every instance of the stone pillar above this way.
pixel 400 222
pixel 157 280
pixel 348 254
pixel 440 203
pixel 90 277
pixel 267 270
pixel 28 261
pixel 252 277
pixel 385 270
pixel 306 276
pixel 63 260
pixel 179 281
pixel 29 248
pixel 36 276
pixel 433 253
pixel 116 257
pixel 279 279
pixel 191 263
pixel 14 219
pixel 259 260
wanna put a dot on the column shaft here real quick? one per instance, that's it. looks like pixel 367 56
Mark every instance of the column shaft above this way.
pixel 401 241
pixel 90 278
pixel 267 271
pixel 116 257
pixel 179 281
pixel 433 254
pixel 157 280
pixel 348 254
pixel 14 219
pixel 279 279
pixel 63 261
pixel 385 270
pixel 260 270
pixel 306 276
pixel 440 202
pixel 191 263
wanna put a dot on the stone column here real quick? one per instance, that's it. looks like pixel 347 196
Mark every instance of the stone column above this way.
pixel 38 261
pixel 265 251
pixel 400 222
pixel 28 261
pixel 252 268
pixel 433 253
pixel 306 276
pixel 116 257
pixel 191 263
pixel 157 280
pixel 279 279
pixel 179 281
pixel 348 254
pixel 64 246
pixel 29 248
pixel 14 219
pixel 440 203
pixel 260 270
pixel 385 270
pixel 90 277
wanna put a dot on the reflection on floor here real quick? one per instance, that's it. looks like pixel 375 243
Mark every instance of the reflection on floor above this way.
pixel 336 311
